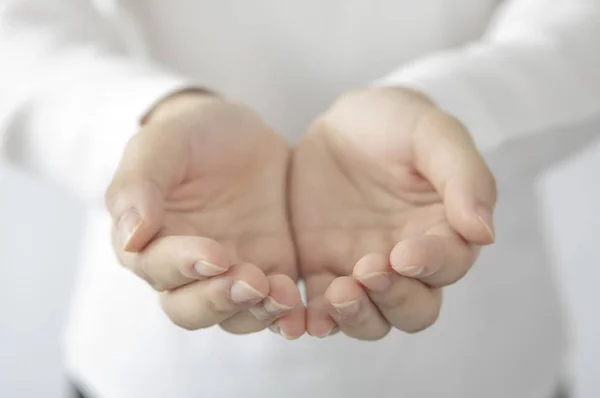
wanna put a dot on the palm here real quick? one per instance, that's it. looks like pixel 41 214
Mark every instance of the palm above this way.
pixel 208 177
pixel 348 203
pixel 355 191
pixel 232 189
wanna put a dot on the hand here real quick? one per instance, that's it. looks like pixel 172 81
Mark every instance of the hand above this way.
pixel 390 200
pixel 198 203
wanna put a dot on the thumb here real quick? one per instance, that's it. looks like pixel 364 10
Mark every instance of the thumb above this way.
pixel 152 164
pixel 445 154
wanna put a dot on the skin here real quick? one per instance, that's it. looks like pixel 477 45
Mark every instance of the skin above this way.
pixel 390 201
pixel 203 183
pixel 386 197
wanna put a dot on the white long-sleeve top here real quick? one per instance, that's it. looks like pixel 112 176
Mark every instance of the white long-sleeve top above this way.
pixel 523 75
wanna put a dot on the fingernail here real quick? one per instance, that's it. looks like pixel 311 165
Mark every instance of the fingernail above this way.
pixel 334 329
pixel 268 309
pixel 241 292
pixel 204 268
pixel 128 224
pixel 275 328
pixel 486 218
pixel 378 281
pixel 348 309
pixel 411 272
pixel 273 307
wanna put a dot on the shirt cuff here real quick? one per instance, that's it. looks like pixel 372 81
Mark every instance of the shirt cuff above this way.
pixel 121 107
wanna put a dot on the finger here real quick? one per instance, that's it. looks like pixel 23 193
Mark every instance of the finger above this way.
pixel 406 303
pixel 209 302
pixel 446 155
pixel 438 258
pixel 354 312
pixel 291 325
pixel 283 297
pixel 318 321
pixel 173 261
pixel 152 163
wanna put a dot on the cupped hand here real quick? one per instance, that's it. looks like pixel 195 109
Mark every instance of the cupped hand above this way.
pixel 390 201
pixel 199 210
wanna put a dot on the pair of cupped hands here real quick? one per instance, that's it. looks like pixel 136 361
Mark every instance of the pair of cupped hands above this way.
pixel 383 202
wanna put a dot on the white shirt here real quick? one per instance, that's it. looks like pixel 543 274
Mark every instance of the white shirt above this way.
pixel 523 76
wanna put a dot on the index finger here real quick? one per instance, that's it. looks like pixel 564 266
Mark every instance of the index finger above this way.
pixel 172 261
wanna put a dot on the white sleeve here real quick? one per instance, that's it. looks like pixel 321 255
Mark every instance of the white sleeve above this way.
pixel 536 68
pixel 71 94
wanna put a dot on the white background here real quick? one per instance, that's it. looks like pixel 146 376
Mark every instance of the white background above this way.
pixel 40 228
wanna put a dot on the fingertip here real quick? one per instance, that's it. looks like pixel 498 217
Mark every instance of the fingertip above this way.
pixel 292 325
pixel 415 257
pixel 353 310
pixel 250 282
pixel 210 258
pixel 284 291
pixel 128 225
pixel 469 203
pixel 206 269
pixel 486 219
pixel 447 156
pixel 318 321
pixel 343 290
pixel 374 272
pixel 283 297
pixel 474 224
pixel 137 211
pixel 369 264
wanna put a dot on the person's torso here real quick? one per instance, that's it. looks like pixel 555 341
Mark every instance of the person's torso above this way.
pixel 500 332
pixel 290 60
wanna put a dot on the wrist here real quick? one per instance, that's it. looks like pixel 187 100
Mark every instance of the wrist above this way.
pixel 178 102
pixel 411 95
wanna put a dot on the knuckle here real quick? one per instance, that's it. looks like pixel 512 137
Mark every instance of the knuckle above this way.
pixel 189 328
pixel 240 329
pixel 414 329
pixel 159 287
pixel 400 299
pixel 400 295
pixel 182 316
pixel 139 267
pixel 355 322
pixel 381 334
pixel 449 279
pixel 377 335
pixel 428 319
pixel 217 308
pixel 183 322
pixel 460 270
pixel 451 273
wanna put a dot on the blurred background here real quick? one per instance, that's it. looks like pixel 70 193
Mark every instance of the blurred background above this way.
pixel 39 242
